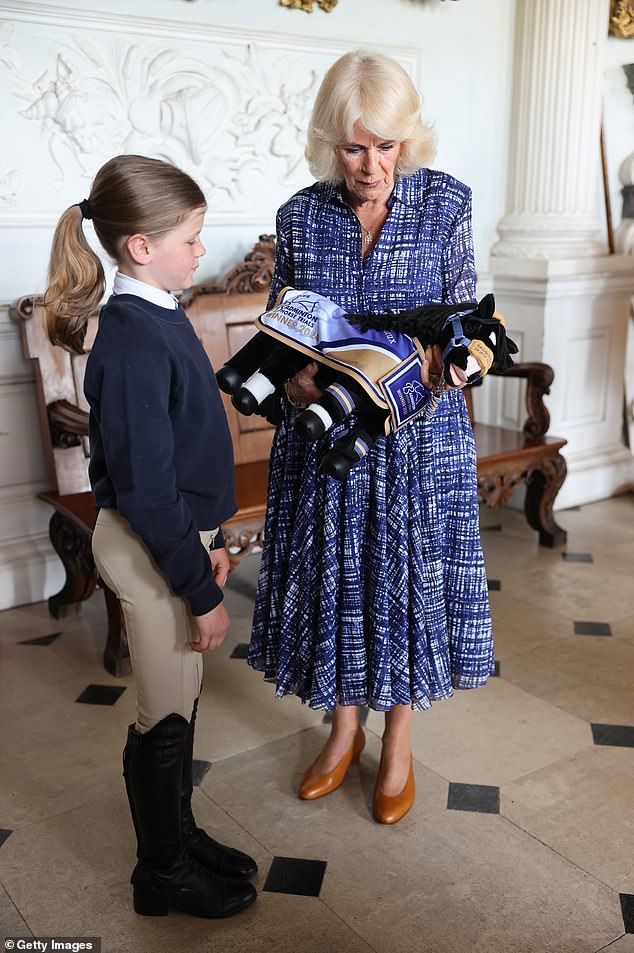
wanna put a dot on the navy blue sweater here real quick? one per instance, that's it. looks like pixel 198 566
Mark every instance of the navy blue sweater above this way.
pixel 160 447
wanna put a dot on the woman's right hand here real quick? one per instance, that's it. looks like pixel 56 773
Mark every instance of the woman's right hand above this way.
pixel 301 388
pixel 212 628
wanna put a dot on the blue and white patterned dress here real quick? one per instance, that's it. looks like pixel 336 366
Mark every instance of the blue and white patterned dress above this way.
pixel 373 591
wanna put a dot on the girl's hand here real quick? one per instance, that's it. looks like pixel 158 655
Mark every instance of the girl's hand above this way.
pixel 212 628
pixel 301 388
pixel 220 565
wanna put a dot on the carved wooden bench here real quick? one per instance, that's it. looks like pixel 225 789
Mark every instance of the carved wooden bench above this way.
pixel 509 458
pixel 222 314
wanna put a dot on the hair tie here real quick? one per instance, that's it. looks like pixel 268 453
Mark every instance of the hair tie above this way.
pixel 86 211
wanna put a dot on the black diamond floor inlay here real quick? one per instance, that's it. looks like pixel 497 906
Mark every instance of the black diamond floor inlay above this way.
pixel 199 770
pixel 41 639
pixel 241 650
pixel 627 909
pixel 617 736
pixel 297 876
pixel 577 557
pixel 4 833
pixel 496 671
pixel 494 585
pixel 592 628
pixel 484 798
pixel 363 717
pixel 100 695
pixel 494 528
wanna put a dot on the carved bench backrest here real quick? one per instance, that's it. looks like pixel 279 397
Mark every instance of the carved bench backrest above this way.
pixel 222 314
pixel 59 377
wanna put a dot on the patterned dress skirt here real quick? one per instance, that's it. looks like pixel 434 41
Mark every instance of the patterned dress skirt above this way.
pixel 373 591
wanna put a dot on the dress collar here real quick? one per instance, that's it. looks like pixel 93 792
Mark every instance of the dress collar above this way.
pixel 124 284
pixel 407 190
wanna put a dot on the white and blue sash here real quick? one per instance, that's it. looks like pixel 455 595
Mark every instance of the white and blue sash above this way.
pixel 386 363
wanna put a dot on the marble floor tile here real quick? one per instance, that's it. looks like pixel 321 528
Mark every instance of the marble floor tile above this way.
pixel 519 625
pixel 69 874
pixel 11 923
pixel 259 791
pixel 277 923
pixel 493 734
pixel 582 808
pixel 470 882
pixel 589 676
pixel 625 944
pixel 543 876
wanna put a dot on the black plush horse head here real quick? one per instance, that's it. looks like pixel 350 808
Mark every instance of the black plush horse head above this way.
pixel 471 336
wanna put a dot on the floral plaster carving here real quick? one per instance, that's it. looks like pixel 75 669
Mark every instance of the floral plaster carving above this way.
pixel 11 184
pixel 235 122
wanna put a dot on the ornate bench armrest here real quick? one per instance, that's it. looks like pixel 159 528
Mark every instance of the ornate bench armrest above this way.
pixel 538 378
pixel 68 423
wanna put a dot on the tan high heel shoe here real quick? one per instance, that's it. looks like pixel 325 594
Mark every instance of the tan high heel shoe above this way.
pixel 390 808
pixel 315 785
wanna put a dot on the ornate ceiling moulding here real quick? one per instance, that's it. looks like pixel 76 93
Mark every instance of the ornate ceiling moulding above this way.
pixel 308 5
pixel 622 18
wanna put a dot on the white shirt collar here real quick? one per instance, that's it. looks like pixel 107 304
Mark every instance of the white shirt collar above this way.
pixel 124 284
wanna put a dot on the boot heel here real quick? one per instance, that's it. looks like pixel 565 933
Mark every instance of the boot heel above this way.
pixel 150 901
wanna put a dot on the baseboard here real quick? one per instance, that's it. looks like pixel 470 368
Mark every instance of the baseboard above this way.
pixel 596 475
pixel 30 571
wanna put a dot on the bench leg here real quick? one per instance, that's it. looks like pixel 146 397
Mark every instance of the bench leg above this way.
pixel 116 657
pixel 73 548
pixel 542 486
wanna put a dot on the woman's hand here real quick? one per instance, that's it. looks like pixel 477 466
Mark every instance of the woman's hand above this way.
pixel 432 370
pixel 301 388
pixel 212 628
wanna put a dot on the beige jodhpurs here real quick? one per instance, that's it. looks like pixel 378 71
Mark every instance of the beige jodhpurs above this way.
pixel 159 624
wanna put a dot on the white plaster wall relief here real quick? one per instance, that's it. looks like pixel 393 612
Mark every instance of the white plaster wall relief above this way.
pixel 232 115
pixel 11 184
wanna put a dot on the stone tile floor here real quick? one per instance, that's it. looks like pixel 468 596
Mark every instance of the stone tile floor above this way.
pixel 522 836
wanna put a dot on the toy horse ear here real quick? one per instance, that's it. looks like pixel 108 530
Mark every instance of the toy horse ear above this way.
pixel 486 308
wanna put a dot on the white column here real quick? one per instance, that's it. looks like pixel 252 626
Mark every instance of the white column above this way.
pixel 565 299
pixel 554 164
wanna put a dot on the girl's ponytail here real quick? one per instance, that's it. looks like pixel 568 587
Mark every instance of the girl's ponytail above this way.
pixel 76 283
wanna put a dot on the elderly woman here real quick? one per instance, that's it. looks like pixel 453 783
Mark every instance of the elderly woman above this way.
pixel 373 592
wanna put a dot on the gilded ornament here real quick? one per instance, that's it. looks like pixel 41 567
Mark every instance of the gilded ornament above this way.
pixel 622 18
pixel 307 5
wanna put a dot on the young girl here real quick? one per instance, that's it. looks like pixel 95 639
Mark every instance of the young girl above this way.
pixel 161 470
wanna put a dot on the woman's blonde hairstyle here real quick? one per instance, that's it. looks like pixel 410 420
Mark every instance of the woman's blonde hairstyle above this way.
pixel 375 91
pixel 130 195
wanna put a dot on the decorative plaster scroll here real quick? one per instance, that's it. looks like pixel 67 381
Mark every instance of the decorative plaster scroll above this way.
pixel 307 5
pixel 11 184
pixel 622 18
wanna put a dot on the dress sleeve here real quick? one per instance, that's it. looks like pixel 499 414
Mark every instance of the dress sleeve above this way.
pixel 458 267
pixel 283 270
pixel 138 444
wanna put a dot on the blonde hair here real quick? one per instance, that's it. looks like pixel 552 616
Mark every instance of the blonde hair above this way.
pixel 130 195
pixel 375 91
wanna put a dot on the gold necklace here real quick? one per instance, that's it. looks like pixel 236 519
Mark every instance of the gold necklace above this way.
pixel 368 236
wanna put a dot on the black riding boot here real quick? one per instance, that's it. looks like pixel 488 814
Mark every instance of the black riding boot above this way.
pixel 226 861
pixel 165 875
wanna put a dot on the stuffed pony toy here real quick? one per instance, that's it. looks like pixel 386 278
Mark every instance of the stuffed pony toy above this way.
pixel 370 365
